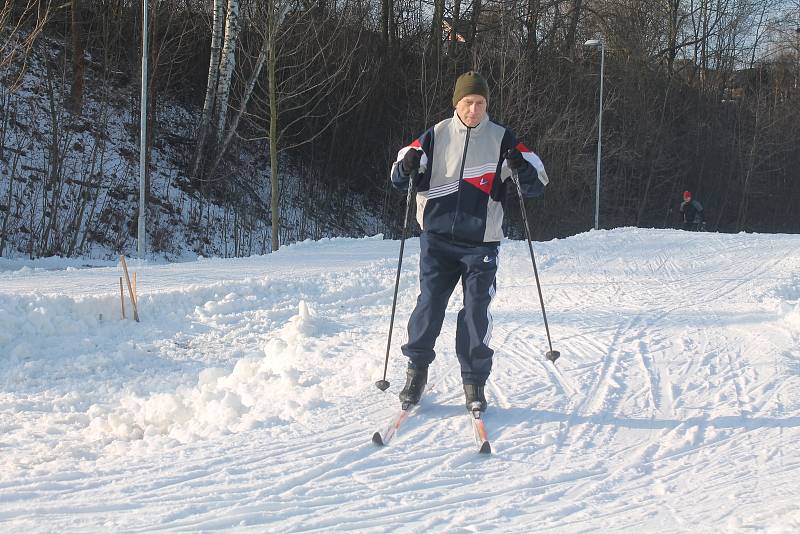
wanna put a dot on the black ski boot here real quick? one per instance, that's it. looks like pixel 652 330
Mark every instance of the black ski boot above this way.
pixel 416 378
pixel 475 398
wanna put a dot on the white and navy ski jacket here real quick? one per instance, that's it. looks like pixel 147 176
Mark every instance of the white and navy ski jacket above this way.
pixel 463 176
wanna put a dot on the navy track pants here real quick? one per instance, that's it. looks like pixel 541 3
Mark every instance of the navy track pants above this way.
pixel 441 265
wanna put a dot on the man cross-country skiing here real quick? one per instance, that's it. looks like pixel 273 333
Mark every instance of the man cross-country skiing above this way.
pixel 464 164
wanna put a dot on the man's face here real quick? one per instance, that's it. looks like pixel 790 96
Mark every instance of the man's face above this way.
pixel 471 110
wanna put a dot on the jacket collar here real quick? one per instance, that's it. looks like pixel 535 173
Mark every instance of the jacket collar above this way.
pixel 462 128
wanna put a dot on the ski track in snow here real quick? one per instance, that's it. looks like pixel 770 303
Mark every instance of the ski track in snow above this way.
pixel 244 400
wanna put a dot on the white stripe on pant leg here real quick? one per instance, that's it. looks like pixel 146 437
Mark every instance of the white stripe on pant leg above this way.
pixel 488 336
pixel 492 292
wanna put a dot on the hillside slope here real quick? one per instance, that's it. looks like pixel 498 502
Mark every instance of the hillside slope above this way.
pixel 69 183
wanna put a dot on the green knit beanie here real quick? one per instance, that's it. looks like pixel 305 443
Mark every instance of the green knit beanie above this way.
pixel 470 83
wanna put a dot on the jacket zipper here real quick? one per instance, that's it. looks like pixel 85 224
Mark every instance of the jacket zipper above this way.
pixel 460 177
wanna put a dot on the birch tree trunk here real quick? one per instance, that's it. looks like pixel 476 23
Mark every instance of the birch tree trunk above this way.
pixel 248 92
pixel 211 84
pixel 226 65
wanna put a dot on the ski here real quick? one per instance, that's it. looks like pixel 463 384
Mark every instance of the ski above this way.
pixel 479 430
pixel 381 438
pixel 384 438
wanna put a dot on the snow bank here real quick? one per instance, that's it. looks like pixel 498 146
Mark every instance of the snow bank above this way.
pixel 791 313
pixel 787 297
pixel 282 385
pixel 21 266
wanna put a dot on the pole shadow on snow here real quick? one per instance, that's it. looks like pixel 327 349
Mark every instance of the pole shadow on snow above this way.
pixel 596 321
pixel 510 416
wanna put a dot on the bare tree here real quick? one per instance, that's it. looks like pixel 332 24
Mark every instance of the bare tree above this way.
pixel 21 23
pixel 78 62
pixel 217 31
pixel 435 38
pixel 266 52
pixel 227 63
pixel 312 82
pixel 388 21
pixel 224 39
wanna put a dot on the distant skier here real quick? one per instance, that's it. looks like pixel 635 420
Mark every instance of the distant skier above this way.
pixel 464 163
pixel 692 210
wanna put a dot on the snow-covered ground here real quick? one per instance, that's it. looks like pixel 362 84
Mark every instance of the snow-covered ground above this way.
pixel 245 400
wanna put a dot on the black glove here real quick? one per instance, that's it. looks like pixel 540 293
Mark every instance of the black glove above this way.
pixel 411 161
pixel 515 160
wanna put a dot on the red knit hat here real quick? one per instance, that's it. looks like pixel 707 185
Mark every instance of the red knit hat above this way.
pixel 687 195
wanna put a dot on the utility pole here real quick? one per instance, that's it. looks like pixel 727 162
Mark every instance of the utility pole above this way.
pixel 142 234
pixel 598 43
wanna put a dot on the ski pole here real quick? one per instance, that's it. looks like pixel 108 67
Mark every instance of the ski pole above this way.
pixel 551 355
pixel 383 385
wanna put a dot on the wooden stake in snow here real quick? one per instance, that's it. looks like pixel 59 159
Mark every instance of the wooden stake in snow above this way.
pixel 135 293
pixel 122 297
pixel 130 289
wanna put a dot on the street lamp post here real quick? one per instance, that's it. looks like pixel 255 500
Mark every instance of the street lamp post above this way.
pixel 143 137
pixel 597 43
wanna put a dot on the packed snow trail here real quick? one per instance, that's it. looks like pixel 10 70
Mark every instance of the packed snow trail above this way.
pixel 245 397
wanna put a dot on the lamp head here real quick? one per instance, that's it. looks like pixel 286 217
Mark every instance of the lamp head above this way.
pixel 593 43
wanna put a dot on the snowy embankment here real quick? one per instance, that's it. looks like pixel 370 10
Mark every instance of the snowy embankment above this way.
pixel 74 177
pixel 245 396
